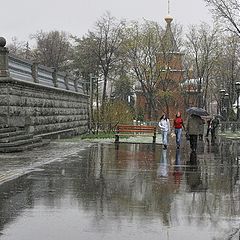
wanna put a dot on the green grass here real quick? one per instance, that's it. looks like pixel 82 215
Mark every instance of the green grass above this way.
pixel 230 135
pixel 100 135
pixel 91 136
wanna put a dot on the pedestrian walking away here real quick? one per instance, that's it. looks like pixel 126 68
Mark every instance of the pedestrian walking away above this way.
pixel 201 130
pixel 164 125
pixel 209 121
pixel 193 126
pixel 214 127
pixel 178 125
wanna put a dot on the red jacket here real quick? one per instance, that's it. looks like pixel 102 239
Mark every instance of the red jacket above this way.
pixel 178 122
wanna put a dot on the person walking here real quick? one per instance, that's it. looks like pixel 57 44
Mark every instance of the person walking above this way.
pixel 209 125
pixel 164 125
pixel 178 126
pixel 215 123
pixel 193 126
pixel 201 130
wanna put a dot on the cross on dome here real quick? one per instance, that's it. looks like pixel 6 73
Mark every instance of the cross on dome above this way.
pixel 168 18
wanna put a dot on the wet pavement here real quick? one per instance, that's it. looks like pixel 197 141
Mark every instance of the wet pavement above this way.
pixel 78 190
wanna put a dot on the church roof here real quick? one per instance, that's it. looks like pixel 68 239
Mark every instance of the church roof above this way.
pixel 170 44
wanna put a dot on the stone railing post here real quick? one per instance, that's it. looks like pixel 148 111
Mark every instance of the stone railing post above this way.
pixel 3 58
pixel 54 76
pixel 66 81
pixel 35 72
pixel 76 84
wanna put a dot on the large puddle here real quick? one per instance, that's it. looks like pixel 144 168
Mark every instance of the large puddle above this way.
pixel 127 191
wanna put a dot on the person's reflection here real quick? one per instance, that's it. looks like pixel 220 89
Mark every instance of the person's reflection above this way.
pixel 211 147
pixel 162 169
pixel 177 169
pixel 193 173
pixel 208 145
pixel 163 191
pixel 193 159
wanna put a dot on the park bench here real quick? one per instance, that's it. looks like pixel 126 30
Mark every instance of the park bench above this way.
pixel 135 130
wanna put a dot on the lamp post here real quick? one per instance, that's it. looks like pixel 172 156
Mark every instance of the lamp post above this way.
pixel 91 101
pixel 91 96
pixel 222 93
pixel 237 88
pixel 226 105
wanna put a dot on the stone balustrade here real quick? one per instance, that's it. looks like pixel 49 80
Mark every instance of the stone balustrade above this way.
pixel 24 70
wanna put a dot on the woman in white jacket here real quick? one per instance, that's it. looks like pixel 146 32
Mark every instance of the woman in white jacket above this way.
pixel 164 125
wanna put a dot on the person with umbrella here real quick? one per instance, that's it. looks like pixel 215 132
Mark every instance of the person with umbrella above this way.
pixel 194 123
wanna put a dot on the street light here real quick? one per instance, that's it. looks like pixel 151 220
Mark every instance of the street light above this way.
pixel 222 94
pixel 237 88
pixel 226 105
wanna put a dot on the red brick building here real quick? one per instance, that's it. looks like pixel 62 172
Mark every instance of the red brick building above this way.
pixel 169 95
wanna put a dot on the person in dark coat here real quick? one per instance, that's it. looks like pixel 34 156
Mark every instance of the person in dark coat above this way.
pixel 214 126
pixel 209 121
pixel 193 128
pixel 201 130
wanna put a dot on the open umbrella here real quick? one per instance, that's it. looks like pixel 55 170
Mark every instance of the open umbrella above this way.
pixel 197 111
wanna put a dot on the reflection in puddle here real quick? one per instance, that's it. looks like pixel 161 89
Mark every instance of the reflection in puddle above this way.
pixel 126 191
pixel 163 166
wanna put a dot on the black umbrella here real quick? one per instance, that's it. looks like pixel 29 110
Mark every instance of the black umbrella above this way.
pixel 197 111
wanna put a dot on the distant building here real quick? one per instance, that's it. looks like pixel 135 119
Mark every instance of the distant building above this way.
pixel 170 98
pixel 190 91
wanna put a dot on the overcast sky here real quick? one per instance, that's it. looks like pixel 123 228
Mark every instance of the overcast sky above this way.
pixel 20 18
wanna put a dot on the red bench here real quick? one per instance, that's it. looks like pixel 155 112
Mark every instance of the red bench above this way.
pixel 133 130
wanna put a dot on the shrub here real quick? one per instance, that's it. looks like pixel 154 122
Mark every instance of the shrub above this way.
pixel 115 112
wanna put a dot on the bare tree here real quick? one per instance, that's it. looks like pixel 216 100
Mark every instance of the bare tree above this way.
pixel 227 11
pixel 202 47
pixel 141 47
pixel 53 49
pixel 97 54
pixel 107 38
pixel 227 67
pixel 20 48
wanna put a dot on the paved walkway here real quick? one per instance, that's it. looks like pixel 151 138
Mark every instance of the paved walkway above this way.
pixel 13 165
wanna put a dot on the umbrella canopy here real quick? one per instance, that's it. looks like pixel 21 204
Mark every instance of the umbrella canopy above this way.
pixel 197 111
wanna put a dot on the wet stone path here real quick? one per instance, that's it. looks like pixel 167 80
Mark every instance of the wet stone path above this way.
pixel 125 191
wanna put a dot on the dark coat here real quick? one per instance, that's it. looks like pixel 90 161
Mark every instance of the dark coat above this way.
pixel 193 125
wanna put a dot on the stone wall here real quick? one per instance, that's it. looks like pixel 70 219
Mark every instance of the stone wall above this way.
pixel 41 108
pixel 42 99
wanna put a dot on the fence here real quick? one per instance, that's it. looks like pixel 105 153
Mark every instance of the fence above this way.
pixel 229 126
pixel 24 70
